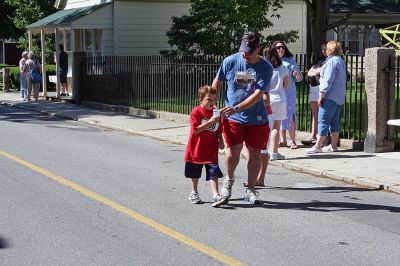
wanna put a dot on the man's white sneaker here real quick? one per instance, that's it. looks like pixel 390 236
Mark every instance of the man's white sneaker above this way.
pixel 226 190
pixel 252 196
pixel 330 149
pixel 313 150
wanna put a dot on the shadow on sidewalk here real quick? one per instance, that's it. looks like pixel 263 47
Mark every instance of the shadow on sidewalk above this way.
pixel 318 206
pixel 331 156
pixel 327 189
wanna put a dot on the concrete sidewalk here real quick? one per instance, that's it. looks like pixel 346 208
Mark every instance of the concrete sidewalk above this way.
pixel 371 170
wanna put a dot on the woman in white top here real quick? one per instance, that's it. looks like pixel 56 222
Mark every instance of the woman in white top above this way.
pixel 277 98
pixel 32 63
pixel 314 75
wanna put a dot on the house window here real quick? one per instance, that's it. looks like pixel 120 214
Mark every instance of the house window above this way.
pixel 93 42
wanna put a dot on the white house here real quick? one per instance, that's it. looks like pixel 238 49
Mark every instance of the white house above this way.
pixel 138 27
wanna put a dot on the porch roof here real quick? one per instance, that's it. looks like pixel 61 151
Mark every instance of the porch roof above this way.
pixel 63 18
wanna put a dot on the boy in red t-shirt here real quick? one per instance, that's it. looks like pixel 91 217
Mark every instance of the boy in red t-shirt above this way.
pixel 202 149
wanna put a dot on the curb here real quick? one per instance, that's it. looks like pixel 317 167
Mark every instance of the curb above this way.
pixel 353 180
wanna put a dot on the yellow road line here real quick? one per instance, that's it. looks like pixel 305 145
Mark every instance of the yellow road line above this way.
pixel 150 222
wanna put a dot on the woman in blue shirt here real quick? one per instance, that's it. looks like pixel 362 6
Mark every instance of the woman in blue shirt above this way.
pixel 331 98
pixel 294 76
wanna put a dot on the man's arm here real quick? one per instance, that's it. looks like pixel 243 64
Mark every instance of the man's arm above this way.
pixel 217 85
pixel 246 104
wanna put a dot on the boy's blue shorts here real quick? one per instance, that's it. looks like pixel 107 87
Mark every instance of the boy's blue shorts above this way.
pixel 193 170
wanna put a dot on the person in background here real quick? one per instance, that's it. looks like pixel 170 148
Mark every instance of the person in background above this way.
pixel 331 98
pixel 32 64
pixel 63 59
pixel 23 75
pixel 277 98
pixel 202 149
pixel 248 76
pixel 314 75
pixel 294 76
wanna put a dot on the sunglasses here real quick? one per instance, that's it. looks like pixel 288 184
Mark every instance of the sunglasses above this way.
pixel 279 47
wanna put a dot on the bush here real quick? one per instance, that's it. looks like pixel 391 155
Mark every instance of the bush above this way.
pixel 5 65
pixel 14 75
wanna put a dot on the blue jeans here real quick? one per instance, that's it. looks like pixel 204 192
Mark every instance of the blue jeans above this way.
pixel 329 117
pixel 23 85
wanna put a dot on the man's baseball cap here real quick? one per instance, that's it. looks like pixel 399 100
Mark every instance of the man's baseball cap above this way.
pixel 250 42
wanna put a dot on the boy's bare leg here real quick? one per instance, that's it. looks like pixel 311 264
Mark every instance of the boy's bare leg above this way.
pixel 195 183
pixel 214 186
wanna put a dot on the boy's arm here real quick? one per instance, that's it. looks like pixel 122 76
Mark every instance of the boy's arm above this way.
pixel 207 124
pixel 221 143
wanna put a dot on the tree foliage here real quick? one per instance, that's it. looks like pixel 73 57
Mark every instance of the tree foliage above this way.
pixel 24 13
pixel 215 27
pixel 318 18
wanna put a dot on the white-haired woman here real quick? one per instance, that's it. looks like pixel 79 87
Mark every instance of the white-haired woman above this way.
pixel 23 73
pixel 33 65
pixel 331 98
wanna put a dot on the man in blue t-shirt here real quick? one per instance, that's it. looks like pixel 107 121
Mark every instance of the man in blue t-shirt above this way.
pixel 248 76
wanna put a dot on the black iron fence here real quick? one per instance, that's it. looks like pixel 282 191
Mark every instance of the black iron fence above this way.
pixel 165 84
pixel 353 112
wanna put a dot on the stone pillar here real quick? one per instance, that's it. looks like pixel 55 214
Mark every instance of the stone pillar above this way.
pixel 379 88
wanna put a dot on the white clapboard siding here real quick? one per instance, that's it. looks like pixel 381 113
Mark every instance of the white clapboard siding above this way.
pixel 292 17
pixel 82 3
pixel 140 26
pixel 108 42
pixel 100 19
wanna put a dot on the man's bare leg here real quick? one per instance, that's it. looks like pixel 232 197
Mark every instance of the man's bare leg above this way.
pixel 253 167
pixel 232 159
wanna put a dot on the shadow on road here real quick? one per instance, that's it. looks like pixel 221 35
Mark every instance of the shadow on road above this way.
pixel 4 243
pixel 318 206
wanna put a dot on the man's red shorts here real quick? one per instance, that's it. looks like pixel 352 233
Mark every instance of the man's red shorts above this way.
pixel 255 136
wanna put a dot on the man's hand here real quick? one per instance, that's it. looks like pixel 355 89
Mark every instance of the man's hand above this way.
pixel 227 111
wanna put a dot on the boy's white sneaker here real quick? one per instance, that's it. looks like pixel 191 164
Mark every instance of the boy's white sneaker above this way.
pixel 194 198
pixel 218 200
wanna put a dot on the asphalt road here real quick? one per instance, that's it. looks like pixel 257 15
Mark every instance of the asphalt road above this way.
pixel 71 194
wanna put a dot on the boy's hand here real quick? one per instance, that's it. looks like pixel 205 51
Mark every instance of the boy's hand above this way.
pixel 214 119
pixel 221 144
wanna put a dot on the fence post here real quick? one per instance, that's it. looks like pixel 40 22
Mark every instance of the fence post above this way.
pixel 379 88
pixel 6 79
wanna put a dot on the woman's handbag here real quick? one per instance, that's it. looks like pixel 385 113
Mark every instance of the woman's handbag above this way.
pixel 36 77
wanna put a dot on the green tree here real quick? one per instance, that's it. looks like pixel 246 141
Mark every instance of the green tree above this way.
pixel 8 30
pixel 215 27
pixel 24 13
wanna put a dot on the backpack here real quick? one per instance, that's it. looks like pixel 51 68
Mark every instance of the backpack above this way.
pixel 36 77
